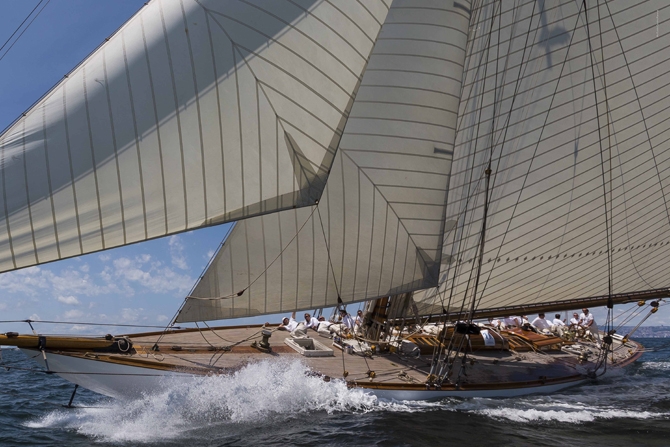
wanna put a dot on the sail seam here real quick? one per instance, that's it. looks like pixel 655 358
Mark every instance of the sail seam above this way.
pixel 137 139
pixel 157 127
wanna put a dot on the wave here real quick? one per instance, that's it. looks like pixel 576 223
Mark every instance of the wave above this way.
pixel 573 416
pixel 257 391
pixel 282 390
pixel 656 365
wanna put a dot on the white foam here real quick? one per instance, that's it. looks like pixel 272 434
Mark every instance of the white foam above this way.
pixel 279 387
pixel 578 414
pixel 656 365
pixel 256 391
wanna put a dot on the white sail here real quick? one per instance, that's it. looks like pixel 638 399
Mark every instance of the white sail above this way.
pixel 190 115
pixel 378 227
pixel 570 106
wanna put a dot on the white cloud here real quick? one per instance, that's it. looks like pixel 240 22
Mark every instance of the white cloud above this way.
pixel 74 282
pixel 29 281
pixel 25 281
pixel 177 252
pixel 69 300
pixel 209 255
pixel 84 268
pixel 153 276
pixel 3 306
pixel 104 258
pixel 80 328
pixel 129 315
pixel 35 317
pixel 74 313
pixel 161 318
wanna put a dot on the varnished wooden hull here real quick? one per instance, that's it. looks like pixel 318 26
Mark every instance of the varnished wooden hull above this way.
pixel 491 373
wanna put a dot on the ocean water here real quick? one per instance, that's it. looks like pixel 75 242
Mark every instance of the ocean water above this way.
pixel 274 403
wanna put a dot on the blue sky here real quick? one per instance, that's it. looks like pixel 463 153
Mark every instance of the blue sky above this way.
pixel 138 284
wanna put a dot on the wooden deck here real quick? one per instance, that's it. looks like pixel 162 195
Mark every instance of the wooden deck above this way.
pixel 225 350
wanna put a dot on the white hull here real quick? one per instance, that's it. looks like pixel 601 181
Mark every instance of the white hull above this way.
pixel 109 379
pixel 129 382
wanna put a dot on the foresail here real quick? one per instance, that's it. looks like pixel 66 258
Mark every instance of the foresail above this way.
pixel 378 228
pixel 573 120
pixel 194 113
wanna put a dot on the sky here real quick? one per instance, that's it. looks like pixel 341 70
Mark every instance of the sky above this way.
pixel 141 284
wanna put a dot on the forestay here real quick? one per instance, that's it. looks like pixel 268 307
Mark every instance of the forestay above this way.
pixel 378 228
pixel 574 121
pixel 195 112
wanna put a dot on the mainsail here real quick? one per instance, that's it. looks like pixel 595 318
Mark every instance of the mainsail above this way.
pixel 194 113
pixel 378 228
pixel 567 103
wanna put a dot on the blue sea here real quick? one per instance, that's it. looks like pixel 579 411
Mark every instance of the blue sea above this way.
pixel 276 404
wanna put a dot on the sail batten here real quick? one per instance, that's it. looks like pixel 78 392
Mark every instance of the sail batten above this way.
pixel 178 122
pixel 573 126
pixel 378 227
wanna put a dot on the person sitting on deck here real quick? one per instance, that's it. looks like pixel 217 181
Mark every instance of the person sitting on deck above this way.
pixel 291 325
pixel 494 322
pixel 324 328
pixel 558 326
pixel 557 320
pixel 346 319
pixel 589 324
pixel 510 322
pixel 541 323
pixel 311 322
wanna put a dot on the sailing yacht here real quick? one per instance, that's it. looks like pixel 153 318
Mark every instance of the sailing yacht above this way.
pixel 440 161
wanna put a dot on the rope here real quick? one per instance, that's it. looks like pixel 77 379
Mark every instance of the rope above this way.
pixel 85 323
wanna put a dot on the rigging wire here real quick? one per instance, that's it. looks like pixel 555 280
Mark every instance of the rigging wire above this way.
pixel 19 27
pixel 24 29
pixel 509 221
pixel 86 323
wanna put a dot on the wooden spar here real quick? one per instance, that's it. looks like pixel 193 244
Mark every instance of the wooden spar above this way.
pixel 576 303
pixel 54 342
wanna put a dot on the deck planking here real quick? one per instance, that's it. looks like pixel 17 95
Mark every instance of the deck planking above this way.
pixel 222 350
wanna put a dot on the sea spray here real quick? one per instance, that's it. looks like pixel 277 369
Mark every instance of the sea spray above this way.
pixel 255 392
pixel 281 396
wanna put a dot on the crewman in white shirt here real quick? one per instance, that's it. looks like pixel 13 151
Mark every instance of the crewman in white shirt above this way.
pixel 541 323
pixel 494 322
pixel 557 320
pixel 589 323
pixel 297 329
pixel 311 322
pixel 346 319
pixel 359 318
pixel 288 324
pixel 575 322
pixel 511 322
pixel 558 326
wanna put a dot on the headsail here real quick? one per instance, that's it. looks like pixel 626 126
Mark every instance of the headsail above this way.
pixel 378 227
pixel 568 101
pixel 180 121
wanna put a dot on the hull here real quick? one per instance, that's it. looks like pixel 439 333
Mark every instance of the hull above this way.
pixel 128 382
pixel 134 369
pixel 109 379
pixel 470 393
